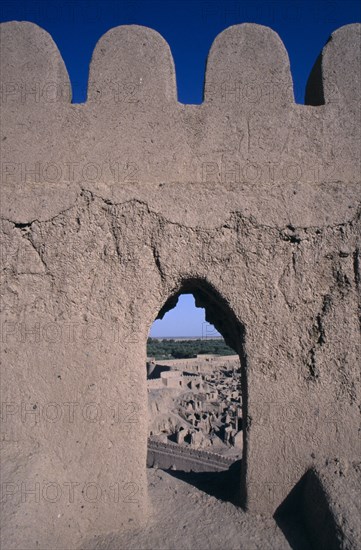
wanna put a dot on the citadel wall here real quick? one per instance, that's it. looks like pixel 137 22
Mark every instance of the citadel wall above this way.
pixel 113 207
pixel 170 455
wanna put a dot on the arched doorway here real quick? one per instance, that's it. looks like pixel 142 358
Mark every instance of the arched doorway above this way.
pixel 221 406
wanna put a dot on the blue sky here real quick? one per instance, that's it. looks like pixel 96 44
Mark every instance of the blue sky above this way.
pixel 189 26
pixel 184 320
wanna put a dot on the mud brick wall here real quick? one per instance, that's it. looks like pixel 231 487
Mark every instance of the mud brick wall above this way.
pixel 113 207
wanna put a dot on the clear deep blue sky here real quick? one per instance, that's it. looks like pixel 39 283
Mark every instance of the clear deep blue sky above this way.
pixel 189 26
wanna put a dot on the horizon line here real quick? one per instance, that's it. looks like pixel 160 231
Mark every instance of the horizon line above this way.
pixel 194 336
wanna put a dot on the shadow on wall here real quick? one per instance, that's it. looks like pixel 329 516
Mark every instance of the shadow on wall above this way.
pixel 306 519
pixel 221 485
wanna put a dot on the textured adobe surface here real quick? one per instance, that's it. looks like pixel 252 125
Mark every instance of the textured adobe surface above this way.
pixel 113 207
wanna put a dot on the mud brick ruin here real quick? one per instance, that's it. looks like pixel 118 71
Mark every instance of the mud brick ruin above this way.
pixel 112 208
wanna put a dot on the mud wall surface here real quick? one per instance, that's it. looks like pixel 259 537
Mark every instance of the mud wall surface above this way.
pixel 113 207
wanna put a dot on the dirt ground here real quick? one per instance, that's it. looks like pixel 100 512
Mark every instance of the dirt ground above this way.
pixel 185 517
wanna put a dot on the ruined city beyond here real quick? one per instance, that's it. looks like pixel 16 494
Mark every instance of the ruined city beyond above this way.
pixel 110 210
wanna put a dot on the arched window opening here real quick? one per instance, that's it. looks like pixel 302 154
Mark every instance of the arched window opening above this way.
pixel 195 373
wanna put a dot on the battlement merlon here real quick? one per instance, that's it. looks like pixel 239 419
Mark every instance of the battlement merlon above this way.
pixel 335 77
